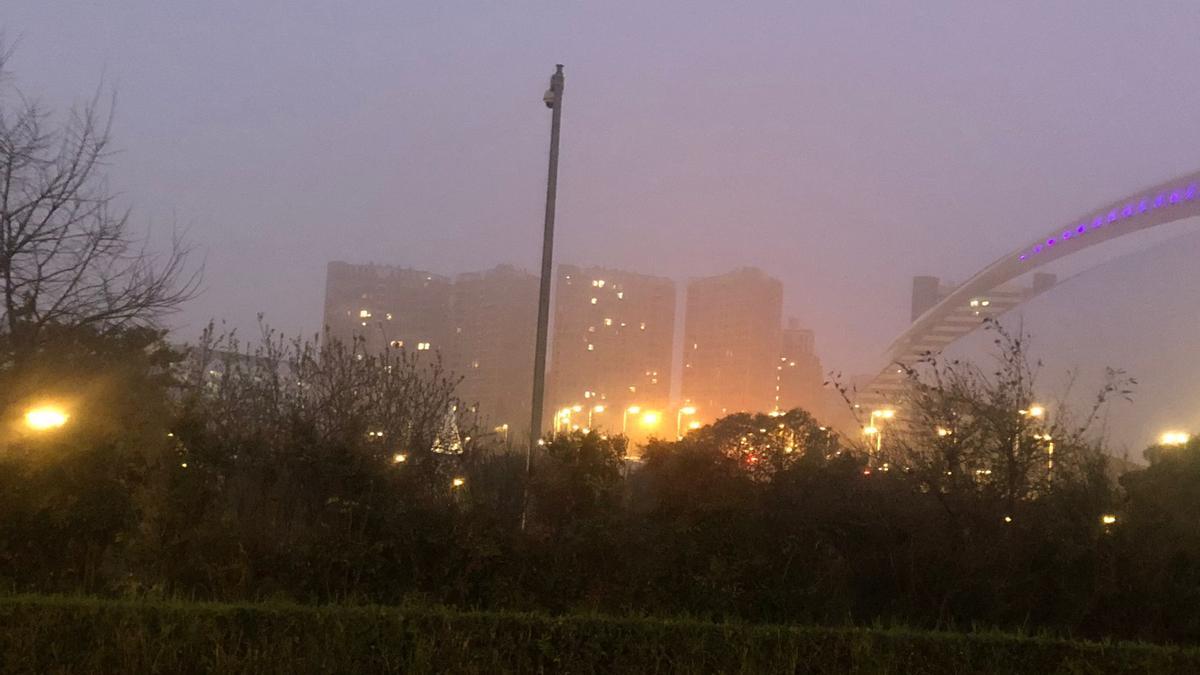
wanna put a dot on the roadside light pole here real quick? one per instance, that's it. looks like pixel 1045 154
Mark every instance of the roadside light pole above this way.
pixel 553 100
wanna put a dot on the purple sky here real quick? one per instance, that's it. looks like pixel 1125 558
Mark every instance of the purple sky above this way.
pixel 841 146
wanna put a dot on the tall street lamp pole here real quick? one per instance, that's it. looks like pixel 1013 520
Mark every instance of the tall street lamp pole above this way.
pixel 553 100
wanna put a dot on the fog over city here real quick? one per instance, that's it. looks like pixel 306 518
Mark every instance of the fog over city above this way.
pixel 842 148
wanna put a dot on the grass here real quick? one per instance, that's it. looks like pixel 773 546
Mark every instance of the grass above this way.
pixel 57 634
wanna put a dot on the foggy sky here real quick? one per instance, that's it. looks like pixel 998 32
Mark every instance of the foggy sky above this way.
pixel 843 147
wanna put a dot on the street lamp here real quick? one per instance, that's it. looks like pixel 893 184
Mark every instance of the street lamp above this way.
pixel 1034 410
pixel 631 410
pixel 651 418
pixel 1174 438
pixel 685 410
pixel 45 418
pixel 875 429
pixel 594 409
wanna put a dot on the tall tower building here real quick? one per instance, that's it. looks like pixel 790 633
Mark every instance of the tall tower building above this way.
pixel 613 335
pixel 385 305
pixel 731 342
pixel 798 381
pixel 495 321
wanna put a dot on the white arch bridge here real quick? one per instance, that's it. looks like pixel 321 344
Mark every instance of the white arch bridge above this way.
pixel 957 312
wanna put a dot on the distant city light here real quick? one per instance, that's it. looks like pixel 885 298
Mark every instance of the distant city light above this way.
pixel 399 458
pixel 1108 519
pixel 458 482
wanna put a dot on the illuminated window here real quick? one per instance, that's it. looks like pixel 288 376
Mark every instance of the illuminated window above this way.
pixel 591 347
pixel 389 316
pixel 607 322
pixel 591 329
pixel 422 346
pixel 397 344
pixel 474 364
pixel 364 313
pixel 643 326
pixel 620 295
pixel 594 301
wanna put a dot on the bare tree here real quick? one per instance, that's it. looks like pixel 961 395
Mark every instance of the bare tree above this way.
pixel 67 256
pixel 962 428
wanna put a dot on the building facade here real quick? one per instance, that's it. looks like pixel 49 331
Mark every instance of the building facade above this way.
pixel 731 343
pixel 385 306
pixel 799 382
pixel 494 314
pixel 612 346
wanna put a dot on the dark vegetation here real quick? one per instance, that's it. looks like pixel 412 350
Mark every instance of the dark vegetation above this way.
pixel 68 635
pixel 285 471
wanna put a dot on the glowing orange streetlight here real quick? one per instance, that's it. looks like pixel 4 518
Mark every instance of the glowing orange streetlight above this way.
pixel 631 410
pixel 688 410
pixel 45 418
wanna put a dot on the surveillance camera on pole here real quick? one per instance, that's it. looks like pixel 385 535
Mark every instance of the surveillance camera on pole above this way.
pixel 553 100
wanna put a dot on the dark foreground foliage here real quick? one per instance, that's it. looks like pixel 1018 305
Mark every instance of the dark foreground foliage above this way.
pixel 312 475
pixel 72 635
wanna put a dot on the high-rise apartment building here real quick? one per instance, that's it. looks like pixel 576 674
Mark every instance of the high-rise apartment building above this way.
pixel 798 379
pixel 494 315
pixel 731 343
pixel 612 347
pixel 385 305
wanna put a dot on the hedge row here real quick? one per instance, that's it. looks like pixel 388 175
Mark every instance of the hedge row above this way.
pixel 83 635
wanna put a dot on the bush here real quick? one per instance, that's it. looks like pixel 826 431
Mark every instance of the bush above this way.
pixel 77 635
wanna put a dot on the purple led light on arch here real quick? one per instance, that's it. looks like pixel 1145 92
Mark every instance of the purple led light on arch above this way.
pixel 1190 194
pixel 1082 228
pixel 1158 201
pixel 1098 222
pixel 1174 197
pixel 1112 216
pixel 1022 257
pixel 1128 212
pixel 1049 242
pixel 1037 249
pixel 1142 206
